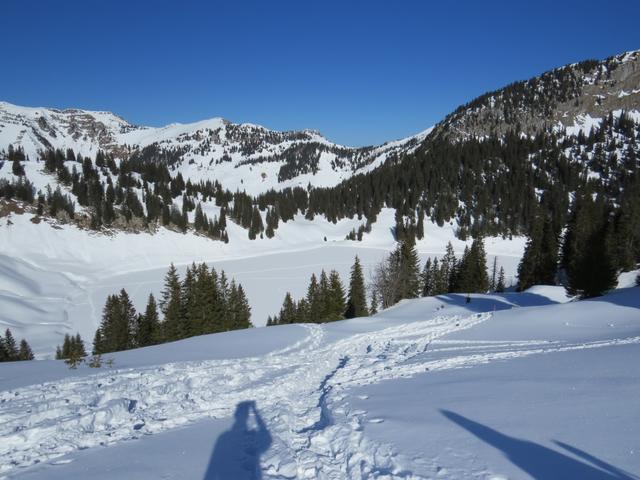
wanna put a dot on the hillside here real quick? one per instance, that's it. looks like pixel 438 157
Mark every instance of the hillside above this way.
pixel 239 156
pixel 95 204
pixel 506 386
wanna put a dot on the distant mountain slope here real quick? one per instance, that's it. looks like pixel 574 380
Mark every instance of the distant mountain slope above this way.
pixel 240 156
pixel 563 96
pixel 484 168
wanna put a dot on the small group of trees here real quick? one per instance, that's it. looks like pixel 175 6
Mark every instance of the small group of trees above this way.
pixel 201 303
pixel 466 275
pixel 399 277
pixel 395 278
pixel 12 351
pixel 600 241
pixel 326 300
pixel 72 348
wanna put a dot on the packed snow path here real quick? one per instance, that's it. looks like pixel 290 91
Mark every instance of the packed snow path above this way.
pixel 299 390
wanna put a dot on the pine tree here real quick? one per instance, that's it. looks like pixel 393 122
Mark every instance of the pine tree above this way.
pixel 125 338
pixel 147 332
pixel 357 302
pixel 427 279
pixel 539 262
pixel 288 311
pixel 243 317
pixel 471 275
pixel 500 284
pixel 336 305
pixel 494 274
pixel 170 304
pixel 25 352
pixel 10 347
pixel 588 248
pixel 188 304
pixel 373 309
pixel 409 271
pixel 323 297
pixel 314 307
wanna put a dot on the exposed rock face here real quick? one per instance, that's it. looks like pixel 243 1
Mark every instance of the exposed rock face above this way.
pixel 560 96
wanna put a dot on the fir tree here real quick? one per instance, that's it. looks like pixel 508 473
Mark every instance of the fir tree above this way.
pixel 494 275
pixel 147 332
pixel 170 304
pixel 314 307
pixel 588 248
pixel 471 275
pixel 335 306
pixel 373 309
pixel 427 279
pixel 357 302
pixel 408 270
pixel 500 284
pixel 288 311
pixel 10 347
pixel 539 262
pixel 25 352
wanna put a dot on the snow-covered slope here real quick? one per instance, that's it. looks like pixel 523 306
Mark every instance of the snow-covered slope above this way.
pixel 54 279
pixel 516 386
pixel 240 156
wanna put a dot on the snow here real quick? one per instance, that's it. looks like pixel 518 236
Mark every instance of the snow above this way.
pixel 515 385
pixel 205 144
pixel 70 271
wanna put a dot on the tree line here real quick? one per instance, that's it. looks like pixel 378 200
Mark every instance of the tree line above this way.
pixel 203 302
pixel 397 277
pixel 12 351
pixel 326 300
pixel 497 185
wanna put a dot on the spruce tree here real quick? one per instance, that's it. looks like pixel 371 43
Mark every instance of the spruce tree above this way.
pixel 427 279
pixel 373 309
pixel 539 262
pixel 125 336
pixel 147 332
pixel 471 276
pixel 243 318
pixel 314 306
pixel 357 302
pixel 500 284
pixel 25 352
pixel 288 311
pixel 409 271
pixel 323 297
pixel 494 275
pixel 170 304
pixel 588 248
pixel 188 304
pixel 10 347
pixel 336 305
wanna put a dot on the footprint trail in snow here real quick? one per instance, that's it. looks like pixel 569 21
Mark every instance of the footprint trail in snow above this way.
pixel 300 391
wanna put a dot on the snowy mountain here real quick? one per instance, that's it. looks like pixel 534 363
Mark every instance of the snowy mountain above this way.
pixel 239 156
pixel 563 97
pixel 113 204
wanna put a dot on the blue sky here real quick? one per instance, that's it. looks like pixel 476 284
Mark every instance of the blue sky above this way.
pixel 361 72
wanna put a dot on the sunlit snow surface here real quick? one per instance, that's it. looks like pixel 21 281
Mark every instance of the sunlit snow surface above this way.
pixel 54 279
pixel 505 386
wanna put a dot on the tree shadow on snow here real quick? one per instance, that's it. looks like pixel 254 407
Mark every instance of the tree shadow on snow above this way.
pixel 236 455
pixel 541 462
pixel 497 301
pixel 624 297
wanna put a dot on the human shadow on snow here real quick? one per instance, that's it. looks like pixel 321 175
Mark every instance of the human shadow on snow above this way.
pixel 541 462
pixel 236 455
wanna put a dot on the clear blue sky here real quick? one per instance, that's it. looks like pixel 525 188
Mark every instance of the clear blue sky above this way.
pixel 361 72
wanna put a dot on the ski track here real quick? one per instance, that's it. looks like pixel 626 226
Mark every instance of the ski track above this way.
pixel 301 391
